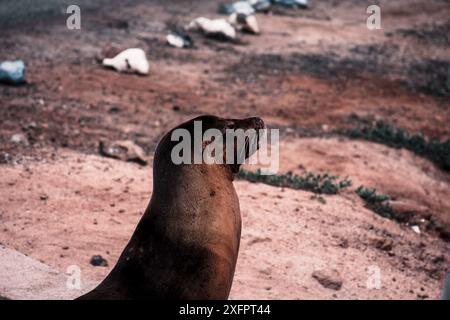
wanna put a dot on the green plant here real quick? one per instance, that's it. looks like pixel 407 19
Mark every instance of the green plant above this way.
pixel 317 183
pixel 387 134
pixel 379 203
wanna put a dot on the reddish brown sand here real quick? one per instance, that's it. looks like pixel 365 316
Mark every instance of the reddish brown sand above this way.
pixel 308 73
pixel 75 206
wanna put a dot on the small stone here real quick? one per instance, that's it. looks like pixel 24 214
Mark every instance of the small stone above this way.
pixel 123 150
pixel 256 240
pixel 416 229
pixel 383 244
pixel 330 279
pixel 19 138
pixel 99 261
pixel 344 243
pixel 12 72
pixel 43 197
pixel 180 39
pixel 114 109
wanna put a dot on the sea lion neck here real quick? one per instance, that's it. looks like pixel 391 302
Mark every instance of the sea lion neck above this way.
pixel 205 174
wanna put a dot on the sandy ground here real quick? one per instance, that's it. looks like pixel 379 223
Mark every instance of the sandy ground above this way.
pixel 374 165
pixel 309 72
pixel 75 206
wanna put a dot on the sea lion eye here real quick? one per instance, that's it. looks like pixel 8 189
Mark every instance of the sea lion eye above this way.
pixel 230 124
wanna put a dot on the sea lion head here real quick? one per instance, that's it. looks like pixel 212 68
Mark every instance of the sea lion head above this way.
pixel 212 139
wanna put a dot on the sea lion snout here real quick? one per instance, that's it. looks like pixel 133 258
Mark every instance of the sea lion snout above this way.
pixel 253 123
pixel 258 123
pixel 245 136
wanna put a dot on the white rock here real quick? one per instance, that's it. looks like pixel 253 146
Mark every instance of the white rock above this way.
pixel 252 24
pixel 133 59
pixel 243 7
pixel 416 229
pixel 19 138
pixel 175 40
pixel 180 40
pixel 213 26
pixel 244 22
pixel 303 3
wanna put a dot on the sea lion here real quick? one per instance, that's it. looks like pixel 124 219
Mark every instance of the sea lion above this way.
pixel 186 244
